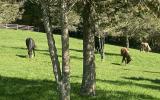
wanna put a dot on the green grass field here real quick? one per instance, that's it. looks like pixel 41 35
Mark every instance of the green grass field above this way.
pixel 22 78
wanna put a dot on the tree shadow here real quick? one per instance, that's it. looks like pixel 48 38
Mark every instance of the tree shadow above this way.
pixel 115 94
pixel 13 88
pixel 157 81
pixel 110 95
pixel 23 89
pixel 21 56
pixel 45 52
pixel 22 48
pixel 71 56
pixel 14 47
pixel 116 64
pixel 122 95
pixel 153 72
pixel 121 83
pixel 112 54
pixel 76 50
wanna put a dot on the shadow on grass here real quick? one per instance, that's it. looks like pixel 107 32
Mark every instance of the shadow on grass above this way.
pixel 14 47
pixel 106 53
pixel 116 64
pixel 143 79
pixel 71 56
pixel 21 48
pixel 45 52
pixel 121 83
pixel 23 89
pixel 153 72
pixel 124 95
pixel 22 56
pixel 77 50
pixel 110 95
pixel 112 54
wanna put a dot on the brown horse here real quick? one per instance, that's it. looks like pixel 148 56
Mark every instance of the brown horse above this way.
pixel 125 55
pixel 145 47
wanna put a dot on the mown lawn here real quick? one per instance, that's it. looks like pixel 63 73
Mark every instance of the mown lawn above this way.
pixel 22 78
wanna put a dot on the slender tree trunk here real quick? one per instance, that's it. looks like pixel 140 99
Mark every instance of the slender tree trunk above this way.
pixel 52 48
pixel 63 80
pixel 65 52
pixel 88 82
pixel 127 41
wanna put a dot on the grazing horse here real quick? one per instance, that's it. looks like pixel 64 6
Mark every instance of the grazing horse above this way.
pixel 30 46
pixel 145 47
pixel 99 45
pixel 125 55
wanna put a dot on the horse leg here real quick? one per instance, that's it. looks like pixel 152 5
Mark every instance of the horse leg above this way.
pixel 34 52
pixel 123 59
pixel 30 54
pixel 102 52
pixel 102 55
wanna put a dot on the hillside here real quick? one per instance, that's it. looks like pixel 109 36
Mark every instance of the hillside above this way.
pixel 22 78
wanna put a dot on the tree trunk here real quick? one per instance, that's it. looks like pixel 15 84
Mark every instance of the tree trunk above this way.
pixel 127 41
pixel 52 48
pixel 63 80
pixel 88 82
pixel 65 52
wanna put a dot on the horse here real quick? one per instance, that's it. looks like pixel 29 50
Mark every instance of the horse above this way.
pixel 125 55
pixel 144 46
pixel 99 45
pixel 30 46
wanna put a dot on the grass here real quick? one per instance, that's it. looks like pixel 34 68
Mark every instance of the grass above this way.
pixel 22 78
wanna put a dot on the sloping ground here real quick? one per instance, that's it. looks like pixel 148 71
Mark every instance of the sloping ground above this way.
pixel 22 78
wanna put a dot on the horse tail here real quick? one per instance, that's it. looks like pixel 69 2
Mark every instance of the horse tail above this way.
pixel 149 49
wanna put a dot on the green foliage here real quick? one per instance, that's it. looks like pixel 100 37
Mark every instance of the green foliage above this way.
pixel 31 14
pixel 121 17
pixel 8 12
pixel 22 78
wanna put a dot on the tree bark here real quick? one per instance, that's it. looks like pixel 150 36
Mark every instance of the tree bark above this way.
pixel 52 48
pixel 88 82
pixel 62 78
pixel 127 40
pixel 65 52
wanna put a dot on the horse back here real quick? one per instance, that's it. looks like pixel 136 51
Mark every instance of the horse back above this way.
pixel 30 43
pixel 124 51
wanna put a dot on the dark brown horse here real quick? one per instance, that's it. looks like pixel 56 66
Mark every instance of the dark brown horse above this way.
pixel 30 46
pixel 126 56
